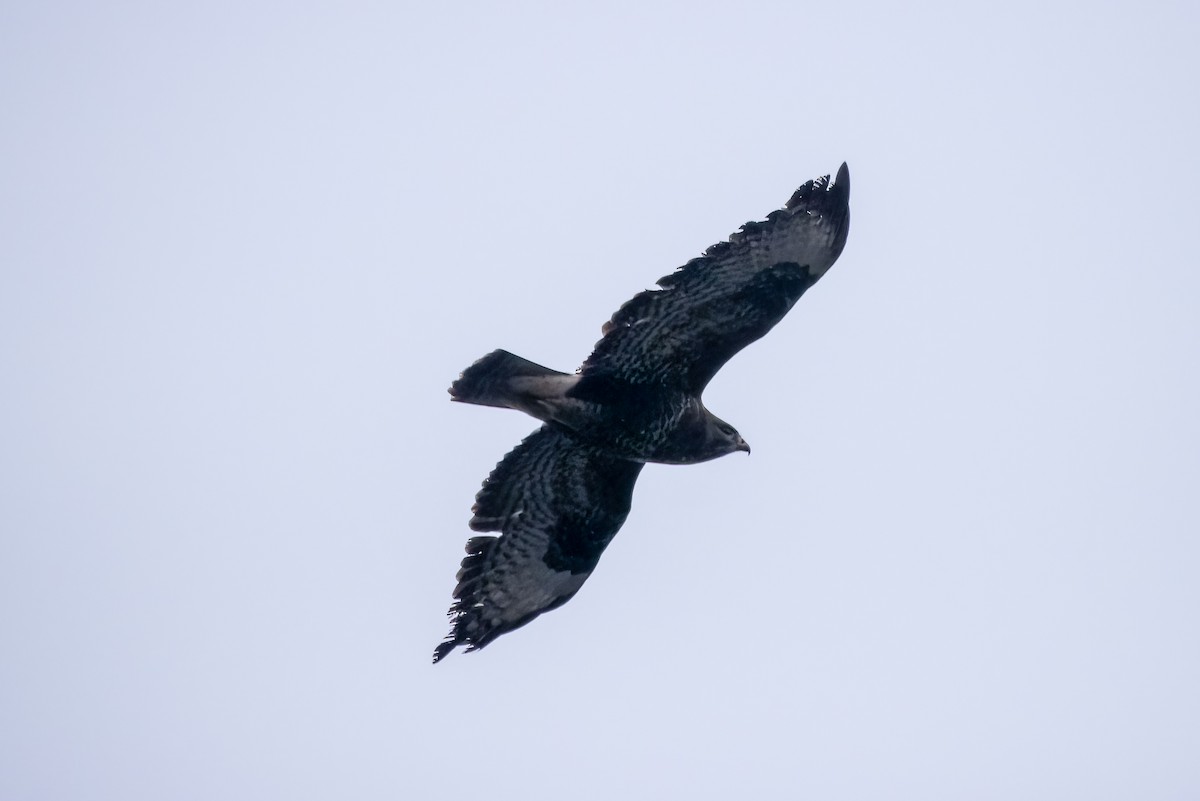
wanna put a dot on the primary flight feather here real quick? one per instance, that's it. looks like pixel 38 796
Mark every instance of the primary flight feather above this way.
pixel 559 497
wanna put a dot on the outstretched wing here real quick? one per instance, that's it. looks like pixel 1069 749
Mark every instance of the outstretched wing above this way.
pixel 557 503
pixel 715 305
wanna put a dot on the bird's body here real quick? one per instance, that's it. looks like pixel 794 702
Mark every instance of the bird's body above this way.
pixel 639 421
pixel 561 495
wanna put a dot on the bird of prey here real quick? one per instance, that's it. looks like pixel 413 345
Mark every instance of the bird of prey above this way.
pixel 560 496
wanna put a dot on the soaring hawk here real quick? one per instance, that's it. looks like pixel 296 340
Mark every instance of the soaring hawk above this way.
pixel 559 497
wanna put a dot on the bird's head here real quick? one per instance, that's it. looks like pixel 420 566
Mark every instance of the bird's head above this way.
pixel 722 438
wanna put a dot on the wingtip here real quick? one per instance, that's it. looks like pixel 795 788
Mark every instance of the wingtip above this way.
pixel 842 180
pixel 444 649
pixel 821 192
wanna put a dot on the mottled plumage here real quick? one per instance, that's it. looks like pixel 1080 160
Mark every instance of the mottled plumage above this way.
pixel 559 497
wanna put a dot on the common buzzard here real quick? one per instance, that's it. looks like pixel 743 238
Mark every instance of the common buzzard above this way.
pixel 559 497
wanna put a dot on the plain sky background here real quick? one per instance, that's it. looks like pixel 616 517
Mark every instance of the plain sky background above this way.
pixel 245 247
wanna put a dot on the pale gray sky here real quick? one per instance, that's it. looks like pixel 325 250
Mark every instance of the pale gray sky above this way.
pixel 245 247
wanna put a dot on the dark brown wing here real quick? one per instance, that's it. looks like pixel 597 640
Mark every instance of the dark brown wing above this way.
pixel 557 503
pixel 712 307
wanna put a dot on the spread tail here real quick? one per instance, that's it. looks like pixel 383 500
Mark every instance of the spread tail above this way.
pixel 505 380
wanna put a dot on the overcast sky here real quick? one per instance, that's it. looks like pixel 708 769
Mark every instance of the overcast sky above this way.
pixel 245 247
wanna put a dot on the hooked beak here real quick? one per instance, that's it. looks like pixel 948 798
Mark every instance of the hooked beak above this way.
pixel 742 445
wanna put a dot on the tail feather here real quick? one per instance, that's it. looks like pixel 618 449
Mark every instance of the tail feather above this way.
pixel 496 380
